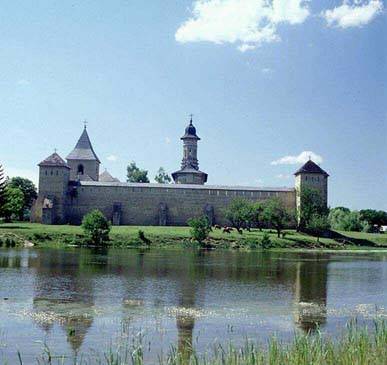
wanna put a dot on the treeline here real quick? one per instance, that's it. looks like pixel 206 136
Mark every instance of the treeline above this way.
pixel 366 220
pixel 16 197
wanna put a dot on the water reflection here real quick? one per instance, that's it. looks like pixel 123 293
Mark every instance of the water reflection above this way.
pixel 63 294
pixel 311 293
pixel 193 294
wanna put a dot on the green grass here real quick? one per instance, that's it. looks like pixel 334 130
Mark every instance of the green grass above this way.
pixel 356 346
pixel 126 236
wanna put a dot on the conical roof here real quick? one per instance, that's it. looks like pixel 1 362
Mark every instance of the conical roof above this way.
pixel 106 177
pixel 83 149
pixel 54 160
pixel 310 167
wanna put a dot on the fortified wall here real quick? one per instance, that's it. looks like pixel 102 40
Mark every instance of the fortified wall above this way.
pixel 69 190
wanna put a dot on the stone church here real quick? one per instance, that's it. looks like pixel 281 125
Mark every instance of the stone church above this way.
pixel 70 189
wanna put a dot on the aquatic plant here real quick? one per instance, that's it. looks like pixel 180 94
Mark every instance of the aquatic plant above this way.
pixel 356 345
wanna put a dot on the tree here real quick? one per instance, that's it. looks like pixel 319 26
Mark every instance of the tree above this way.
pixel 239 213
pixel 257 217
pixel 276 215
pixel 312 204
pixel 134 174
pixel 200 228
pixel 2 189
pixel 343 220
pixel 96 227
pixel 318 224
pixel 374 217
pixel 162 177
pixel 29 191
pixel 13 203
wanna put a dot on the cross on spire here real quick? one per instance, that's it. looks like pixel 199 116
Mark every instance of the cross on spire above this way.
pixel 191 115
pixel 55 150
pixel 85 123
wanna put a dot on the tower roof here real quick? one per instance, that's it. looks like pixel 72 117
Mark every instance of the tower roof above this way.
pixel 83 149
pixel 310 167
pixel 54 160
pixel 106 177
pixel 190 131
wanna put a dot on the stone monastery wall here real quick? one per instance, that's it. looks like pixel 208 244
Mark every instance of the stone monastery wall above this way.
pixel 160 204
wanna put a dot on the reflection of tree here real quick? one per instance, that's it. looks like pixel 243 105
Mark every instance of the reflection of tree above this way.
pixel 63 293
pixel 311 294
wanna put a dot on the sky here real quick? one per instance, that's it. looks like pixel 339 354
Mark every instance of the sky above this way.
pixel 269 83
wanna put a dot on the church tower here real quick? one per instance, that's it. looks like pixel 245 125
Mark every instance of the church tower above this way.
pixel 83 161
pixel 189 172
pixel 311 175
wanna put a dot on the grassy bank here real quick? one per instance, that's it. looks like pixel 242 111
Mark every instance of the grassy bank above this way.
pixel 127 236
pixel 355 346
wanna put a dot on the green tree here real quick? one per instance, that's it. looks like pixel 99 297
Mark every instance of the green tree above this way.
pixel 256 214
pixel 29 191
pixel 276 215
pixel 96 227
pixel 318 224
pixel 135 174
pixel 2 189
pixel 13 203
pixel 374 217
pixel 162 177
pixel 200 228
pixel 239 213
pixel 312 204
pixel 343 220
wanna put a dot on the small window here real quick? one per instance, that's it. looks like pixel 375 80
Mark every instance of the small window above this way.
pixel 80 169
pixel 46 172
pixel 57 172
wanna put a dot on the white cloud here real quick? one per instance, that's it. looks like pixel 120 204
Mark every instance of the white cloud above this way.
pixel 112 158
pixel 29 174
pixel 246 23
pixel 267 70
pixel 167 140
pixel 283 176
pixel 301 158
pixel 353 14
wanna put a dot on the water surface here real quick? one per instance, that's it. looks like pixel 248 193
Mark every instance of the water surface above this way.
pixel 75 300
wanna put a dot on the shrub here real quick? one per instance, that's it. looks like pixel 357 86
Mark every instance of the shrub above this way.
pixel 266 242
pixel 200 228
pixel 343 220
pixel 141 236
pixel 96 227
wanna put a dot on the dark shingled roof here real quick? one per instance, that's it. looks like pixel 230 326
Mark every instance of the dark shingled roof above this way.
pixel 310 168
pixel 54 160
pixel 190 131
pixel 83 149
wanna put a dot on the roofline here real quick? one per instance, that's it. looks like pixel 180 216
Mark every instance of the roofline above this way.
pixel 311 172
pixel 185 186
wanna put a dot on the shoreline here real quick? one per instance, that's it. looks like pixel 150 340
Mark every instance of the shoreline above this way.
pixel 24 234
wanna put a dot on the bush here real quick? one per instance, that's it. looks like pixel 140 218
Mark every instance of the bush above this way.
pixel 141 236
pixel 200 228
pixel 96 227
pixel 343 220
pixel 266 242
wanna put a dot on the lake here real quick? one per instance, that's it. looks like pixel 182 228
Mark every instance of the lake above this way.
pixel 75 300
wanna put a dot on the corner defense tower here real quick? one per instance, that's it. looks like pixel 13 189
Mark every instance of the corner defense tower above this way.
pixel 83 161
pixel 311 175
pixel 189 172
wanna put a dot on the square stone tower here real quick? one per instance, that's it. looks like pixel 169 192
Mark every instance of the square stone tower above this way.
pixel 311 175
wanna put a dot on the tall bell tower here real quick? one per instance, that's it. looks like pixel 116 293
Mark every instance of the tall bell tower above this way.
pixel 189 172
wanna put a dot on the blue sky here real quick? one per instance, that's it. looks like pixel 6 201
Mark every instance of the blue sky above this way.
pixel 264 82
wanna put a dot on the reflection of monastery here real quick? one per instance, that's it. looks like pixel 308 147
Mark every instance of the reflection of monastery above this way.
pixel 69 190
pixel 69 286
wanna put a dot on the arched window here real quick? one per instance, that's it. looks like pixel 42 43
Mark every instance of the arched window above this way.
pixel 80 169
